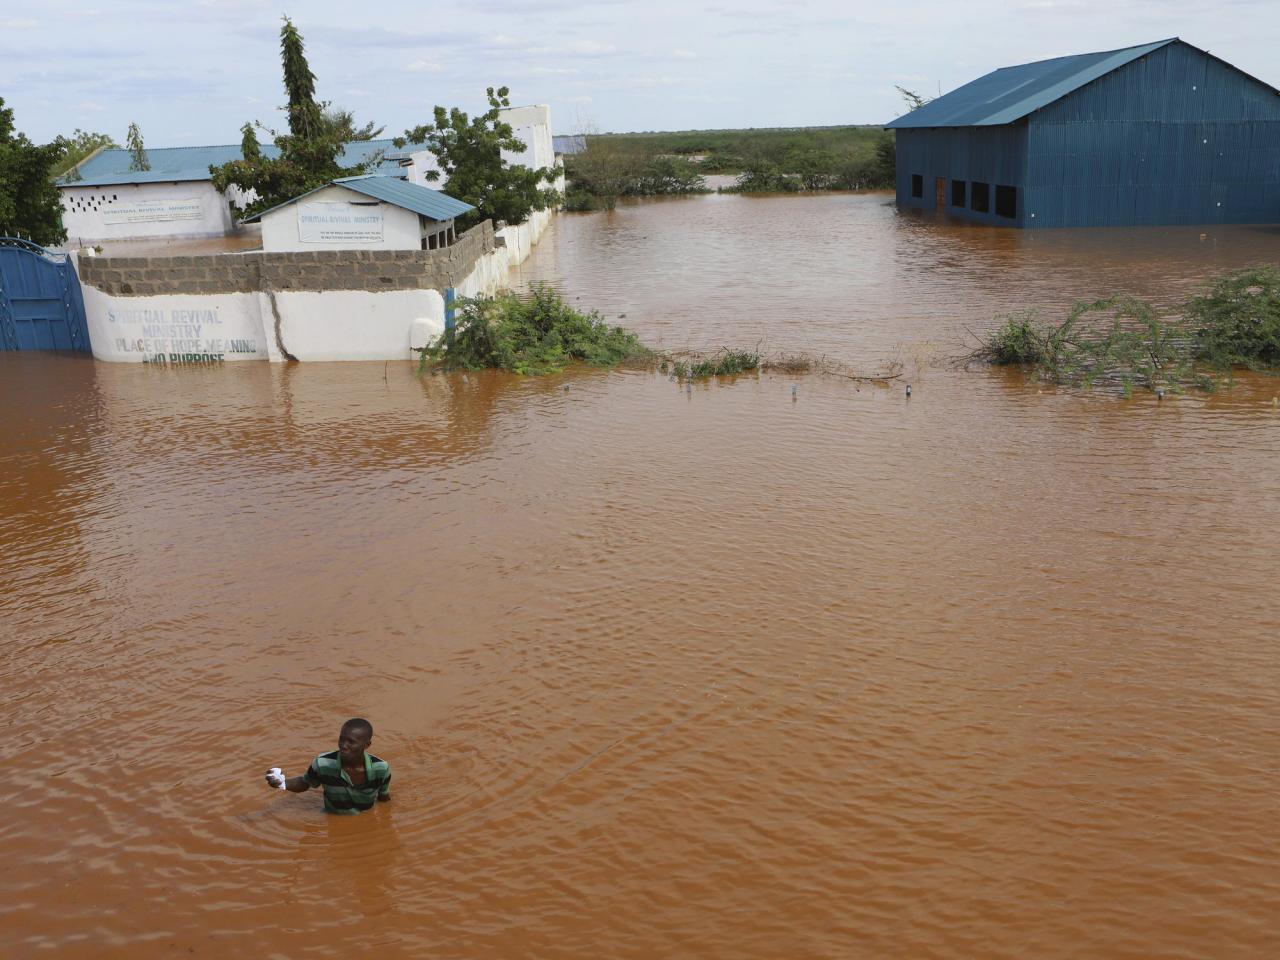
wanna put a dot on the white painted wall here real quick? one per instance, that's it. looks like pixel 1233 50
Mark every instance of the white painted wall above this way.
pixel 208 328
pixel 175 329
pixel 533 126
pixel 354 324
pixel 401 228
pixel 86 210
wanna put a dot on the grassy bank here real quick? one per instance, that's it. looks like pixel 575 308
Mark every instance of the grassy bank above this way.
pixel 1233 324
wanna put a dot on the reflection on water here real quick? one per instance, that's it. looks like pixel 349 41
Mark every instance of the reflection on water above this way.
pixel 987 672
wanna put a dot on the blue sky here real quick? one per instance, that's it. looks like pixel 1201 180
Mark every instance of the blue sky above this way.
pixel 193 72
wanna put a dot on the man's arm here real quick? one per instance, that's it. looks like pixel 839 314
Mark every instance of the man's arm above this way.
pixel 293 784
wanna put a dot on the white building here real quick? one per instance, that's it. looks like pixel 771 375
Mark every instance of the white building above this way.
pixel 176 197
pixel 370 212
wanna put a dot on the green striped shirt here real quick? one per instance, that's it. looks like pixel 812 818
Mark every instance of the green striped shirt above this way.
pixel 340 794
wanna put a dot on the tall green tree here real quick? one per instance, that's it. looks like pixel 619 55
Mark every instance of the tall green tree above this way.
pixel 137 152
pixel 299 83
pixel 469 153
pixel 250 149
pixel 308 154
pixel 29 201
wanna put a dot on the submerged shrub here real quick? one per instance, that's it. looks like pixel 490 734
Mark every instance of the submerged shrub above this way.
pixel 1018 341
pixel 1119 340
pixel 725 363
pixel 1236 322
pixel 534 334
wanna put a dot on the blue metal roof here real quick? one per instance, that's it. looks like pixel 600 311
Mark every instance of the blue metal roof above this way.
pixel 393 190
pixel 192 163
pixel 1010 93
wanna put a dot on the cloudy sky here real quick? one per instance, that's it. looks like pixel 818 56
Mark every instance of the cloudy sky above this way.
pixel 192 72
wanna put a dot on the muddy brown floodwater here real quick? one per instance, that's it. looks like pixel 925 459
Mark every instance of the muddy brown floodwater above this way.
pixel 991 672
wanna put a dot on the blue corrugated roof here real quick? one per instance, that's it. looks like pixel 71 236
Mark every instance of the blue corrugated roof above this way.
pixel 411 196
pixel 1010 93
pixel 399 192
pixel 193 163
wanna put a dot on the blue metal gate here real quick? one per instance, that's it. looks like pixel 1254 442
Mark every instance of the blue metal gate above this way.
pixel 40 303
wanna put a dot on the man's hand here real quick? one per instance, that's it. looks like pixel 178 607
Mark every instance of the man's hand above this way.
pixel 276 778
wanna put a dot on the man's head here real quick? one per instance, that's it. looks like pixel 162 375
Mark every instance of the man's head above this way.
pixel 354 739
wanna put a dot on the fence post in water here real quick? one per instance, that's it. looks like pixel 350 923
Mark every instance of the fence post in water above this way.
pixel 449 297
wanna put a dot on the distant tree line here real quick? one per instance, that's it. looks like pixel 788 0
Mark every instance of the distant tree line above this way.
pixel 819 158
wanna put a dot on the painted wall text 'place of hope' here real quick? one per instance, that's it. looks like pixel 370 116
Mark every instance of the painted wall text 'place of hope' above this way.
pixel 175 335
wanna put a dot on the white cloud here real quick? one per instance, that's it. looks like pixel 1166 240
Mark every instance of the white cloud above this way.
pixel 592 48
pixel 424 66
pixel 679 54
pixel 15 24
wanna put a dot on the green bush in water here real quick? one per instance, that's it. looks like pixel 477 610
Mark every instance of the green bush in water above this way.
pixel 1237 321
pixel 1118 339
pixel 533 334
pixel 726 363
pixel 1018 341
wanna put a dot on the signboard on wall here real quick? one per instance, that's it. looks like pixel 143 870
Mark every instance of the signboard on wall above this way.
pixel 340 223
pixel 152 211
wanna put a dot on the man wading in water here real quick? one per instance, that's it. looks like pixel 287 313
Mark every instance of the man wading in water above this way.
pixel 352 779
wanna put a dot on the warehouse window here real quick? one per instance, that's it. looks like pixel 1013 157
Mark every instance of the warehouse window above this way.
pixel 957 193
pixel 917 185
pixel 980 197
pixel 1006 202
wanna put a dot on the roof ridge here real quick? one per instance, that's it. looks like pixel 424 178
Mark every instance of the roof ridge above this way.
pixel 1088 53
pixel 1010 93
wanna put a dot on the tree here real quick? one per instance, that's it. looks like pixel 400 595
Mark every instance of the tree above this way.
pixel 299 83
pixel 913 100
pixel 250 149
pixel 342 124
pixel 75 148
pixel 138 153
pixel 469 152
pixel 601 173
pixel 885 166
pixel 308 153
pixel 29 200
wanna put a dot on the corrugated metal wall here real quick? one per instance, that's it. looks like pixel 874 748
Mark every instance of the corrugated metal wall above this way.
pixel 1176 137
pixel 40 301
pixel 991 155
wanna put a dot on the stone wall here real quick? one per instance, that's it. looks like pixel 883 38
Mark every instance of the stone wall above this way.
pixel 317 270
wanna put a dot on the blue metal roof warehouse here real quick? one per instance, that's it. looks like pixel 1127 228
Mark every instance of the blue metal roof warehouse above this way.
pixel 1162 133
